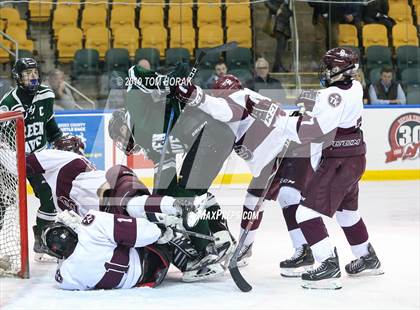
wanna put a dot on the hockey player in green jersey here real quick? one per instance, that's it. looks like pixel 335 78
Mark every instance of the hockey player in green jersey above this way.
pixel 205 142
pixel 36 102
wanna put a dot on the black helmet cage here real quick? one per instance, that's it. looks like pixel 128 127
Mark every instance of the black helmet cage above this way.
pixel 125 143
pixel 59 240
pixel 21 65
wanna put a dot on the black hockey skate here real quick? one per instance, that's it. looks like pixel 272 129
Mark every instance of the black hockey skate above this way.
pixel 368 265
pixel 325 276
pixel 300 262
pixel 244 255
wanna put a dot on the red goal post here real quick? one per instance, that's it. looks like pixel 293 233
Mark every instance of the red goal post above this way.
pixel 13 200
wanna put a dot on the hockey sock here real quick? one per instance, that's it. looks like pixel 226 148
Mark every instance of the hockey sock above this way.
pixel 315 232
pixel 295 232
pixel 248 214
pixel 355 231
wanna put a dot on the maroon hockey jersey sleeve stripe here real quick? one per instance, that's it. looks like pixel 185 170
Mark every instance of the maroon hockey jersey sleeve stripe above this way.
pixel 152 204
pixel 33 166
pixel 67 174
pixel 238 112
pixel 125 230
pixel 308 129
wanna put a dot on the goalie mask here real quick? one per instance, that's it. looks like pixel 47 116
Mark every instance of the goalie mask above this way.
pixel 338 64
pixel 119 131
pixel 27 75
pixel 59 240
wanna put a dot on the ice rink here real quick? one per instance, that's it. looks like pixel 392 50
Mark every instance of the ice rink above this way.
pixel 391 211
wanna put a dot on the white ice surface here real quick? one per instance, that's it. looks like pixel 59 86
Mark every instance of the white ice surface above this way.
pixel 390 210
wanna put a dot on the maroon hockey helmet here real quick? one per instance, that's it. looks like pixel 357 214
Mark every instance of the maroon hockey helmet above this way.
pixel 338 64
pixel 226 84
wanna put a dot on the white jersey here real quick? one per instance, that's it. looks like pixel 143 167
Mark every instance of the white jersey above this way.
pixel 256 143
pixel 74 181
pixel 105 256
pixel 338 108
pixel 337 114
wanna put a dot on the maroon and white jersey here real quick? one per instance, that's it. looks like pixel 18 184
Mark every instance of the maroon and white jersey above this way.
pixel 74 181
pixel 105 256
pixel 335 121
pixel 256 143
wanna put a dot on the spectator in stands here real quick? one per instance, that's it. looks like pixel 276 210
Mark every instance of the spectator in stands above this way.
pixel 280 9
pixel 386 90
pixel 63 98
pixel 353 16
pixel 376 12
pixel 144 63
pixel 360 76
pixel 262 79
pixel 326 17
pixel 220 69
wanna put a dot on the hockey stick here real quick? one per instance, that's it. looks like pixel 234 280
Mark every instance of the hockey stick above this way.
pixel 217 49
pixel 239 280
pixel 194 234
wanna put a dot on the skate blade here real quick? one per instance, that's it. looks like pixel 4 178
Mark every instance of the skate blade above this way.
pixel 327 284
pixel 294 272
pixel 367 273
pixel 213 271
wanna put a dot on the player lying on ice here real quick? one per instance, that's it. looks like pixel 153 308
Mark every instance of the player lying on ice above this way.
pixel 78 186
pixel 107 251
pixel 334 125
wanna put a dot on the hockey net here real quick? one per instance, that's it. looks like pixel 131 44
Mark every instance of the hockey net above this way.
pixel 13 212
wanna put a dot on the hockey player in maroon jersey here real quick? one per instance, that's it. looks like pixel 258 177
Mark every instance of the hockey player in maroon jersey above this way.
pixel 107 251
pixel 333 189
pixel 254 144
pixel 78 186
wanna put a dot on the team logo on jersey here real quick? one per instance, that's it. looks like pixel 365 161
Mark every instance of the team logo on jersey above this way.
pixel 4 108
pixel 88 219
pixel 243 152
pixel 31 109
pixel 404 138
pixel 334 99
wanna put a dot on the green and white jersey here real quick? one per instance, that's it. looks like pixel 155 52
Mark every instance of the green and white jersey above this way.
pixel 149 104
pixel 40 125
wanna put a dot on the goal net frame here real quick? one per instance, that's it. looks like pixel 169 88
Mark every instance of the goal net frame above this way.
pixel 17 119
